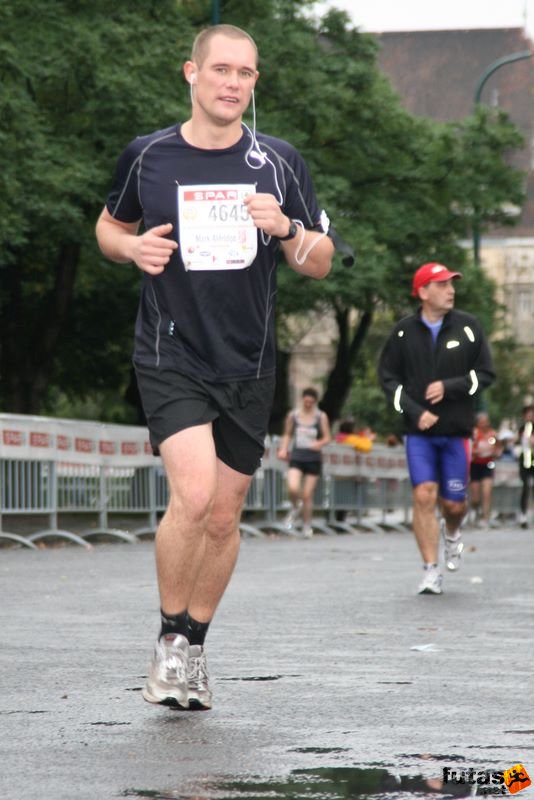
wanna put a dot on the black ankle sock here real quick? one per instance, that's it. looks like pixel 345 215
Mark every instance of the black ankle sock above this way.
pixel 197 631
pixel 174 623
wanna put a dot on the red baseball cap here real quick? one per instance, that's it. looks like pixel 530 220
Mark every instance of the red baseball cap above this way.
pixel 429 273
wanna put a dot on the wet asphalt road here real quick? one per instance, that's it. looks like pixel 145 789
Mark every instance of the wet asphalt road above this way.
pixel 312 661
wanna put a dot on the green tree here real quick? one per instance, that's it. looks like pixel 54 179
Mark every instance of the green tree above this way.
pixel 515 382
pixel 80 79
pixel 400 189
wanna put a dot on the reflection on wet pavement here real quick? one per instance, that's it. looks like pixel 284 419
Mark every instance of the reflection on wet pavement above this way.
pixel 332 783
pixel 260 678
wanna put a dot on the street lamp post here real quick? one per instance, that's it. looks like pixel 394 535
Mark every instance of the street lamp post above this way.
pixel 493 67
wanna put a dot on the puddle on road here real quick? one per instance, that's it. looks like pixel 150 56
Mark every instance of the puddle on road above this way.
pixel 260 678
pixel 333 783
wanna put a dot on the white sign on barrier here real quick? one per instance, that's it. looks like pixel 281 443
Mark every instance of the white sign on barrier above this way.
pixel 47 439
pixel 32 438
pixel 380 462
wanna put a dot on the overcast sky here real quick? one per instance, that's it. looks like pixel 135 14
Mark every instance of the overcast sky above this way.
pixel 399 15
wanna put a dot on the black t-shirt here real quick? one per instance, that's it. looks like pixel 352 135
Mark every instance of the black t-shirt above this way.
pixel 217 324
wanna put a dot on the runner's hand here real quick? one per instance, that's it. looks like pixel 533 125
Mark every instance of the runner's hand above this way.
pixel 427 420
pixel 435 392
pixel 152 251
pixel 267 214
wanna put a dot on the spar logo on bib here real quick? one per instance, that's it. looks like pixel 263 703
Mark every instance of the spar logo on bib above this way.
pixel 212 194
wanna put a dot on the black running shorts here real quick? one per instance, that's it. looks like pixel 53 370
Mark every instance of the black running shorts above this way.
pixel 238 410
pixel 480 471
pixel 306 467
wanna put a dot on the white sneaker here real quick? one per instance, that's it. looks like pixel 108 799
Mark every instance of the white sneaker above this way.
pixel 200 697
pixel 167 677
pixel 453 550
pixel 431 583
pixel 307 531
pixel 292 516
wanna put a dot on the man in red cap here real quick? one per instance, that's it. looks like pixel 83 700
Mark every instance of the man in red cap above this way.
pixel 433 367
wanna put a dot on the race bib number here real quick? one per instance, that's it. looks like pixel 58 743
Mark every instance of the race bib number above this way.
pixel 305 436
pixel 216 230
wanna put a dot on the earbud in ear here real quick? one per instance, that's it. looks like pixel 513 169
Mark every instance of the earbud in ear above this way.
pixel 193 78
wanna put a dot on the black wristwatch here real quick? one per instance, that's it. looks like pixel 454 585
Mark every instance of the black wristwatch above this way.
pixel 293 228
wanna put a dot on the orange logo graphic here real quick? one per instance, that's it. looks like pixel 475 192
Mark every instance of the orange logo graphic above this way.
pixel 516 778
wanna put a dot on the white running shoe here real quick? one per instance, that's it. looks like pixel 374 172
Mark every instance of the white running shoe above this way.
pixel 167 677
pixel 307 531
pixel 431 583
pixel 198 679
pixel 292 516
pixel 453 549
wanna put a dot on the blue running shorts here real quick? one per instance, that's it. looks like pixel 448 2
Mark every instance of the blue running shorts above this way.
pixel 443 460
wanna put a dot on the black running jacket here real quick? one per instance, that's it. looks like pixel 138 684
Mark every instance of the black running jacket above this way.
pixel 460 358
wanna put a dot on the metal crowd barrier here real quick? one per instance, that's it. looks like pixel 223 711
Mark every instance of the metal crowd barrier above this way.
pixel 56 469
pixel 506 493
pixel 77 480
